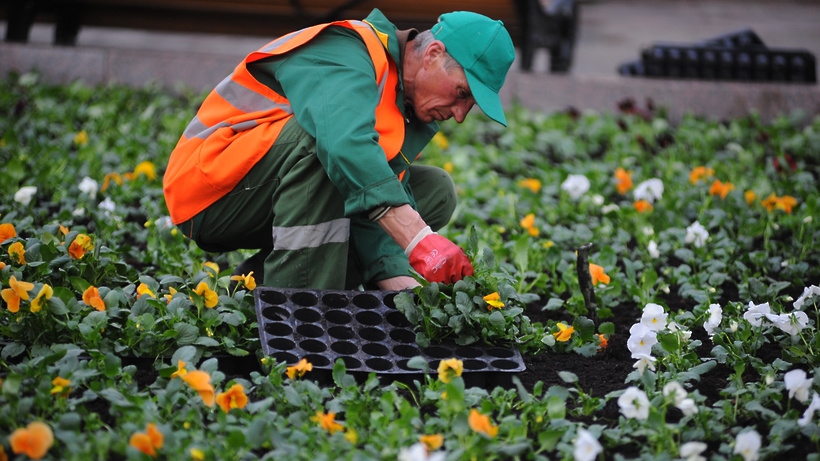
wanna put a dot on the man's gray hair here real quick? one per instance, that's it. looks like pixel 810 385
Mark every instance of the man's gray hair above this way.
pixel 424 39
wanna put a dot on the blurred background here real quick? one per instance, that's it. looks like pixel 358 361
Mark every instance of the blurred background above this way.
pixel 564 46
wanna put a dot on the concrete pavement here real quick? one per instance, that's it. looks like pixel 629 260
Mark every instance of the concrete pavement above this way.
pixel 611 32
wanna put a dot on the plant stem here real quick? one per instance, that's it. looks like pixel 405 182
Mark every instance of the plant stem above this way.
pixel 585 281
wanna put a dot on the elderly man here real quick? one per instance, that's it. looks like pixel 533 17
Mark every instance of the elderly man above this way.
pixel 305 152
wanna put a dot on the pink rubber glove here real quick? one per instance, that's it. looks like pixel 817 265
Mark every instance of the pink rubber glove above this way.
pixel 439 260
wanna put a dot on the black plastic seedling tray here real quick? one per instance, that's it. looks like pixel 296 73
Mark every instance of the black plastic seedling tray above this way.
pixel 366 331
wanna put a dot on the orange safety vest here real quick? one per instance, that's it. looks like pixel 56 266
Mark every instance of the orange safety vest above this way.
pixel 241 118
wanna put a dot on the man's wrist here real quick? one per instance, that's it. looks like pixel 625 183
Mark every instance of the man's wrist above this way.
pixel 418 238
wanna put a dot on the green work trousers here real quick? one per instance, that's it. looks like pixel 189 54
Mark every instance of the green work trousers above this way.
pixel 288 208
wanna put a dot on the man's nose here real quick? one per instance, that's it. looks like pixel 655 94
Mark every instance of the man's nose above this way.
pixel 461 109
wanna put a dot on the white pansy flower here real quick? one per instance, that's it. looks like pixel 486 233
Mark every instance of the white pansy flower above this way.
pixel 654 317
pixel 89 187
pixel 649 190
pixel 696 234
pixel 576 185
pixel 674 328
pixel 798 384
pixel 691 451
pixel 756 312
pixel 641 339
pixel 733 326
pixel 808 292
pixel 715 316
pixel 107 205
pixel 654 253
pixel 634 403
pixel 586 447
pixel 597 200
pixel 25 194
pixel 644 361
pixel 676 391
pixel 791 323
pixel 418 452
pixel 648 231
pixel 747 445
pixel 809 413
pixel 78 212
pixel 688 407
pixel 606 209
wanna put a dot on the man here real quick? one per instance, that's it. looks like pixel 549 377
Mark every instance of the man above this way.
pixel 305 152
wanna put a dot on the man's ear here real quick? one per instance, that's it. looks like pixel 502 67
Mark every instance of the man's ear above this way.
pixel 435 50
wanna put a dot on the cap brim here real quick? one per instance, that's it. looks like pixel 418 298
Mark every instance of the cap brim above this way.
pixel 488 100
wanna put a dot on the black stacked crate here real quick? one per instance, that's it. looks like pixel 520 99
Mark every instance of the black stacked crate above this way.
pixel 737 56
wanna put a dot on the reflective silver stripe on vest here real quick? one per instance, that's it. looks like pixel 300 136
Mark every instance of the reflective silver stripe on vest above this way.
pixel 301 237
pixel 249 101
pixel 244 100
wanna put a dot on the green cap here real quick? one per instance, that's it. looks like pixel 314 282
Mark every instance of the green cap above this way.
pixel 483 47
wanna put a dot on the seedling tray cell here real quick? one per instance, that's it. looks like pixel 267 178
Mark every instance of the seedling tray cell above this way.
pixel 366 331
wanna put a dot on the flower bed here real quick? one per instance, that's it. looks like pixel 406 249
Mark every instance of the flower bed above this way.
pixel 659 281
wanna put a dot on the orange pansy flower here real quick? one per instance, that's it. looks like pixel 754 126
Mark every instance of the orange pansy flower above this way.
pixel 247 280
pixel 623 180
pixel 299 369
pixel 700 172
pixel 210 296
pixel 149 441
pixel 81 244
pixel 493 301
pixel 530 183
pixel 144 289
pixel 481 424
pixel 327 421
pixel 91 296
pixel 200 381
pixel 34 440
pixel 110 177
pixel 232 398
pixel 432 441
pixel 7 231
pixel 180 370
pixel 61 386
pixel 564 332
pixel 721 188
pixel 643 206
pixel 597 274
pixel 603 342
pixel 773 202
pixel 750 196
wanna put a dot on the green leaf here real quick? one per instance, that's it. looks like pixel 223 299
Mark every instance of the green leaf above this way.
pixel 187 333
pixel 12 349
pixel 553 304
pixel 584 327
pixel 115 397
pixel 497 320
pixel 669 341
pixel 418 363
pixel 206 341
pixel 557 406
pixel 568 376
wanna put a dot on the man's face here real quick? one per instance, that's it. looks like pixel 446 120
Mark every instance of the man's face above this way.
pixel 441 94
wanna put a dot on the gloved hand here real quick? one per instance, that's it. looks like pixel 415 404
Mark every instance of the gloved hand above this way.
pixel 438 259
